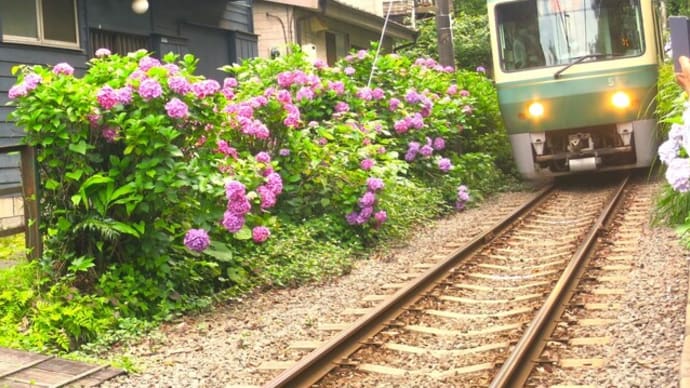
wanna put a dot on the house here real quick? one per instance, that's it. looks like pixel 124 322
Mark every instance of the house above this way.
pixel 218 32
pixel 331 28
pixel 409 11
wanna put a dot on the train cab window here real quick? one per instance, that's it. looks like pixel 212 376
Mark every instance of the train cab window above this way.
pixel 538 33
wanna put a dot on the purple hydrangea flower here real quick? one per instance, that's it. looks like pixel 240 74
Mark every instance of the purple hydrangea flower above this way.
pixel 150 89
pixel 224 148
pixel 263 157
pixel 205 88
pixel 268 197
pixel 63 68
pixel 232 222
pixel 260 234
pixel 147 63
pixel 367 199
pixel 668 151
pixel 304 93
pixel 374 184
pixel 439 143
pixel 412 97
pixel 31 81
pixel 176 109
pixel 239 205
pixel 274 182
pixel 197 240
pixel 284 152
pixel 481 69
pixel 337 86
pixel 393 104
pixel 341 107
pixel 234 189
pixel 230 82
pixel 463 197
pixel 349 70
pixel 352 217
pixel 426 150
pixel 124 95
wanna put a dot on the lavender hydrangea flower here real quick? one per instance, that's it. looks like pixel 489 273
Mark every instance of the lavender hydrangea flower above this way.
pixel 668 151
pixel 31 81
pixel 366 164
pixel 260 234
pixel 284 152
pixel 444 164
pixel 426 150
pixel 205 88
pixel 197 240
pixel 124 95
pixel 177 109
pixel 678 174
pixel 102 52
pixel 18 90
pixel 462 198
pixel 349 70
pixel 393 104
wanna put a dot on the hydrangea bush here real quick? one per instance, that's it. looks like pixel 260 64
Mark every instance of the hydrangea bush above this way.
pixel 161 181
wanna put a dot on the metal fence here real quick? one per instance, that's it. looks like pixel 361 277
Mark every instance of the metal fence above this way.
pixel 30 195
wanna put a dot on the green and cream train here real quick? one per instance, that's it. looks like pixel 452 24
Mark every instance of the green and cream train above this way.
pixel 576 82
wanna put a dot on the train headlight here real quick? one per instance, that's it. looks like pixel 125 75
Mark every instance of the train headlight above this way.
pixel 536 110
pixel 621 100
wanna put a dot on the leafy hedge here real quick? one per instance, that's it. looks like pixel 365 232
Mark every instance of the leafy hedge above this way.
pixel 161 188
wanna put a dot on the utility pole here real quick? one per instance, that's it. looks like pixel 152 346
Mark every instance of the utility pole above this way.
pixel 444 33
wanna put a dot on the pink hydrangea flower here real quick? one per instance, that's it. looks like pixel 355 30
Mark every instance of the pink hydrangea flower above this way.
pixel 110 134
pixel 106 97
pixel 18 90
pixel 366 164
pixel 232 222
pixel 179 84
pixel 150 89
pixel 263 157
pixel 205 88
pixel 63 68
pixel 147 63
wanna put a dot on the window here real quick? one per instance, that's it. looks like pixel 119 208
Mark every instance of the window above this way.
pixel 537 33
pixel 117 42
pixel 44 22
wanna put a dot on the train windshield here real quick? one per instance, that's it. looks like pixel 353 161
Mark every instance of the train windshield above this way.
pixel 539 33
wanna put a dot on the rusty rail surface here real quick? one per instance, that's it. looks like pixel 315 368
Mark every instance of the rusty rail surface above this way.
pixel 518 366
pixel 29 192
pixel 322 360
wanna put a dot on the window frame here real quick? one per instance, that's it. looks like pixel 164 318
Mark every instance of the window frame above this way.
pixel 40 40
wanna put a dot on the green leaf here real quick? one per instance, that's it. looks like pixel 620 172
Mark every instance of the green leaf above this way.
pixel 76 200
pixel 124 228
pixel 52 184
pixel 79 148
pixel 243 234
pixel 74 175
pixel 220 255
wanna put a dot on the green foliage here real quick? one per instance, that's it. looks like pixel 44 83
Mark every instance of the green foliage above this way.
pixel 142 160
pixel 12 247
pixel 470 40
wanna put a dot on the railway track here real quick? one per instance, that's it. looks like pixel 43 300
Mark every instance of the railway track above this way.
pixel 471 319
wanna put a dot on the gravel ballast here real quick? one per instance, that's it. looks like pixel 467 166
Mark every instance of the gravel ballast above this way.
pixel 230 345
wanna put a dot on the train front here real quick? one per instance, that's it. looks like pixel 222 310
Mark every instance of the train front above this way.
pixel 576 81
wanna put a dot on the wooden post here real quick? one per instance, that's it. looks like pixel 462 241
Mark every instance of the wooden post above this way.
pixel 29 170
pixel 446 54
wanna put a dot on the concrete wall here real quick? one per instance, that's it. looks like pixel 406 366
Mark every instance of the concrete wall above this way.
pixel 11 212
pixel 274 30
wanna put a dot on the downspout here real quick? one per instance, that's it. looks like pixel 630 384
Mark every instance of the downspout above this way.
pixel 282 25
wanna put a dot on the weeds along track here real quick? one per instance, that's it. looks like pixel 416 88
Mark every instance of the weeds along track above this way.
pixel 458 323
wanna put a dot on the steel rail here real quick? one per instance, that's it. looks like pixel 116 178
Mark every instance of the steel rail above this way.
pixel 322 360
pixel 517 368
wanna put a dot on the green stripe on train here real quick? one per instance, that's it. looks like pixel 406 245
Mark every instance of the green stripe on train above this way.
pixel 578 100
